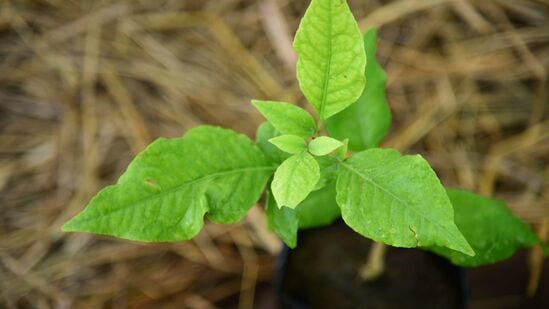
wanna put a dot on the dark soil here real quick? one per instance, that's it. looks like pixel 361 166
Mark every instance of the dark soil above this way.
pixel 321 273
pixel 503 285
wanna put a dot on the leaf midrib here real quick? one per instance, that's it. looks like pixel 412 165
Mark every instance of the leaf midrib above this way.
pixel 328 67
pixel 178 187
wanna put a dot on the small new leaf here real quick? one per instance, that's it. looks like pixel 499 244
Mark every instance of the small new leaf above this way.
pixel 488 225
pixel 331 57
pixel 287 118
pixel 289 143
pixel 397 200
pixel 324 145
pixel 168 188
pixel 294 179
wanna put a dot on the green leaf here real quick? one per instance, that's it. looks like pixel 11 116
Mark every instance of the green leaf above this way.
pixel 367 121
pixel 319 208
pixel 491 229
pixel 287 118
pixel 397 200
pixel 264 133
pixel 331 57
pixel 324 145
pixel 168 188
pixel 294 179
pixel 289 143
pixel 283 221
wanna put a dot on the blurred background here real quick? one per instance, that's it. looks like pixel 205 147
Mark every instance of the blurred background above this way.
pixel 86 85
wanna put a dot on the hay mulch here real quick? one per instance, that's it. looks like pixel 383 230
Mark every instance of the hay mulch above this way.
pixel 86 85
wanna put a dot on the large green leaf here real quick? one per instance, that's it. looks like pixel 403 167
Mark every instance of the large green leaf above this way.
pixel 264 133
pixel 491 229
pixel 397 200
pixel 294 179
pixel 287 118
pixel 168 188
pixel 331 57
pixel 318 209
pixel 367 121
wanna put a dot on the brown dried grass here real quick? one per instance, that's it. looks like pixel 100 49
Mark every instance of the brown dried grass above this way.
pixel 85 85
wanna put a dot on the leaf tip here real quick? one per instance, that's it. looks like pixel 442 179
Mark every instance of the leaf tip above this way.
pixel 75 224
pixel 65 228
pixel 461 244
pixel 467 249
pixel 371 31
pixel 259 105
pixel 292 244
pixel 470 252
pixel 69 226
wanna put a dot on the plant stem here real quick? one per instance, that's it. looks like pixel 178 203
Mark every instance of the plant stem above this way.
pixel 375 264
pixel 536 260
pixel 319 127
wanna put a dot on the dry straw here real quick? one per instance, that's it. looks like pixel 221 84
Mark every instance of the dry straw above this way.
pixel 85 85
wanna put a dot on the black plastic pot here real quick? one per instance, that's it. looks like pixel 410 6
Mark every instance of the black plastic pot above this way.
pixel 322 273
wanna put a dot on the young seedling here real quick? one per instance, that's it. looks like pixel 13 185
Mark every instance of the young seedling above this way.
pixel 311 179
